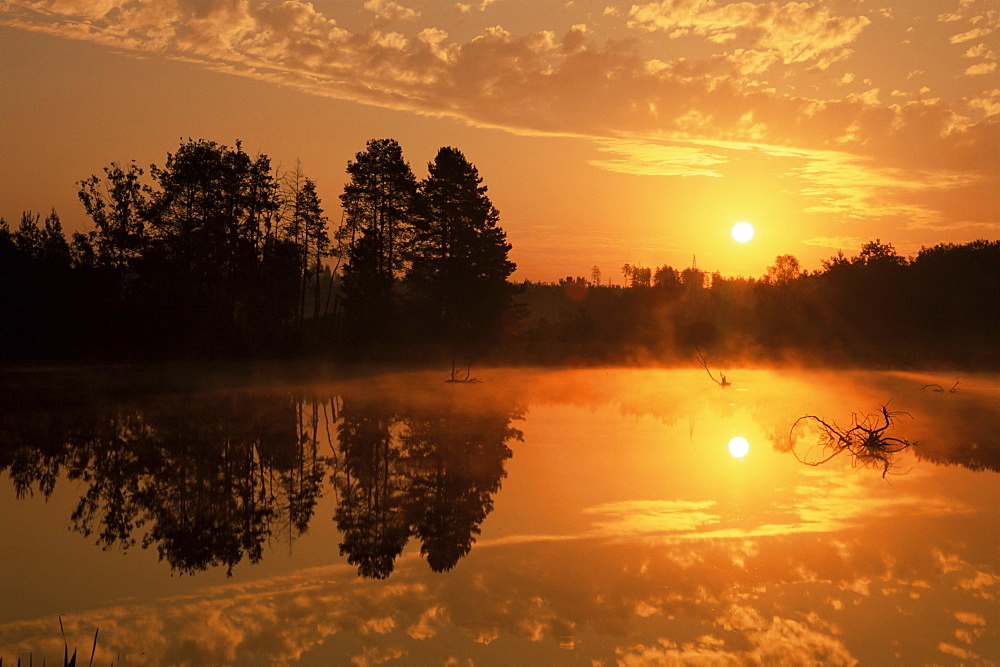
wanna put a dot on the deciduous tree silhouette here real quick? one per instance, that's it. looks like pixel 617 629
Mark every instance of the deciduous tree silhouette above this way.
pixel 784 270
pixel 118 205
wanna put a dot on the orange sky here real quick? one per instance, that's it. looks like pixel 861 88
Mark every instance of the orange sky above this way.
pixel 608 133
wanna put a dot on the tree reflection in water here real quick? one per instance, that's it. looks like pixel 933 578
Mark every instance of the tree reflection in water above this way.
pixel 210 478
pixel 427 472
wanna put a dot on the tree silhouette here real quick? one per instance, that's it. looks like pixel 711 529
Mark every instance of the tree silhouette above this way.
pixel 785 269
pixel 667 278
pixel 306 226
pixel 377 202
pixel 214 255
pixel 119 207
pixel 38 293
pixel 637 276
pixel 209 220
pixel 459 264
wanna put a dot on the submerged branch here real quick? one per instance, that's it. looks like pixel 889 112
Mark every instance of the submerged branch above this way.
pixel 704 364
pixel 865 440
pixel 467 377
pixel 938 388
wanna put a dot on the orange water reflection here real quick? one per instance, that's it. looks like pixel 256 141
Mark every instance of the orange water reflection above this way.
pixel 622 533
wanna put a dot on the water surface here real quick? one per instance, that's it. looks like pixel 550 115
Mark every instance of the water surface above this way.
pixel 545 517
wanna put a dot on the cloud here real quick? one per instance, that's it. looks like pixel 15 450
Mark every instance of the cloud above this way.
pixel 649 158
pixel 957 652
pixel 970 618
pixel 534 82
pixel 466 7
pixel 852 188
pixel 638 517
pixel 835 242
pixel 861 189
pixel 980 51
pixel 989 102
pixel 377 655
pixel 389 10
pixel 777 640
pixel 798 31
pixel 976 33
pixel 429 622
pixel 981 68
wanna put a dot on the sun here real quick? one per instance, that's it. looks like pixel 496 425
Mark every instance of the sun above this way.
pixel 742 232
pixel 738 447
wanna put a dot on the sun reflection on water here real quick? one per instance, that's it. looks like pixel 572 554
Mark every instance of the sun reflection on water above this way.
pixel 739 447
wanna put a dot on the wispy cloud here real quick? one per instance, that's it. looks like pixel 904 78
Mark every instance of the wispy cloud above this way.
pixel 650 158
pixel 835 242
pixel 981 68
pixel 466 7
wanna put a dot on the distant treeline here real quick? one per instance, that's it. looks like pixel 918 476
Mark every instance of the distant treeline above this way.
pixel 217 255
pixel 942 306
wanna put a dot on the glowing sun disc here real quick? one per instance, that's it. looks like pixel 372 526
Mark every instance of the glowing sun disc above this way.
pixel 738 447
pixel 742 232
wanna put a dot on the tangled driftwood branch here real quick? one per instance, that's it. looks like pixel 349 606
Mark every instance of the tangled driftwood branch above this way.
pixel 865 440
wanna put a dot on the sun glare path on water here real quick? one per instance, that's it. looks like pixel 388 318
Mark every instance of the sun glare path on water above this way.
pixel 738 447
pixel 742 232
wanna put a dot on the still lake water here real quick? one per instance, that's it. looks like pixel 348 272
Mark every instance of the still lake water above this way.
pixel 538 517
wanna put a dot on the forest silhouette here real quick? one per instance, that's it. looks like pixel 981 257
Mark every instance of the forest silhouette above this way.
pixel 218 255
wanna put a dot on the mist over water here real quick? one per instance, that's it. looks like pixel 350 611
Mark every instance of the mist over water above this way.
pixel 541 516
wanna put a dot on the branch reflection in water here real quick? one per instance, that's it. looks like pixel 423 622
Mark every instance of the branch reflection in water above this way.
pixel 209 478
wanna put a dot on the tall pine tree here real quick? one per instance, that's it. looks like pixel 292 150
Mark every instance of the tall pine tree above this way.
pixel 459 266
pixel 378 203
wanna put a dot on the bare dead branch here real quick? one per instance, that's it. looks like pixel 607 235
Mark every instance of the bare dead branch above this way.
pixel 467 377
pixel 704 364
